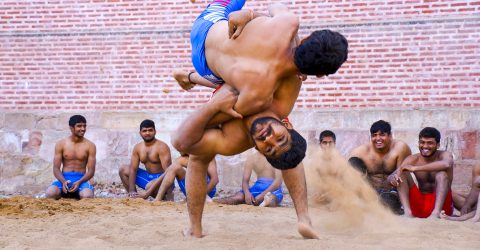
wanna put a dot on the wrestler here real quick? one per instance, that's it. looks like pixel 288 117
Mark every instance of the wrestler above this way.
pixel 267 190
pixel 379 159
pixel 178 170
pixel 468 205
pixel 424 179
pixel 73 163
pixel 154 155
pixel 265 53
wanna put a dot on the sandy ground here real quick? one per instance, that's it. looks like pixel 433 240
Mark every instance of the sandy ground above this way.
pixel 344 210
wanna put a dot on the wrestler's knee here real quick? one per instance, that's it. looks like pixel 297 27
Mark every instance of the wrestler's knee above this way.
pixel 124 170
pixel 476 182
pixel 53 192
pixel 86 193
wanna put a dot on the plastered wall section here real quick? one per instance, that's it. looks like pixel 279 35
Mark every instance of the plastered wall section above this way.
pixel 27 141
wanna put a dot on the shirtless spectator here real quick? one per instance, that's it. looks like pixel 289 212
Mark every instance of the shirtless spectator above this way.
pixel 178 170
pixel 154 155
pixel 379 159
pixel 267 190
pixel 424 179
pixel 73 163
pixel 468 205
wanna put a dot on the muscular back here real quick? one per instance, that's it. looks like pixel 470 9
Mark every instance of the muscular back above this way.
pixel 258 63
pixel 380 166
pixel 74 155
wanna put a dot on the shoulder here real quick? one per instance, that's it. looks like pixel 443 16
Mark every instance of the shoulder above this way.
pixel 400 146
pixel 61 143
pixel 89 143
pixel 445 154
pixel 362 149
pixel 160 145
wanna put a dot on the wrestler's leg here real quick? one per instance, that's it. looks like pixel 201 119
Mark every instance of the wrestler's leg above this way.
pixel 295 181
pixel 196 186
pixel 238 198
pixel 124 172
pixel 458 200
pixel 53 192
pixel 441 190
pixel 176 170
pixel 86 193
pixel 404 192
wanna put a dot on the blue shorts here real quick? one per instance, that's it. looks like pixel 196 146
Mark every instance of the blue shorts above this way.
pixel 216 11
pixel 73 177
pixel 144 177
pixel 181 183
pixel 262 184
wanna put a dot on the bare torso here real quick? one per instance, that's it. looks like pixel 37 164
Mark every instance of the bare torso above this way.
pixel 149 156
pixel 262 168
pixel 381 165
pixel 75 155
pixel 426 180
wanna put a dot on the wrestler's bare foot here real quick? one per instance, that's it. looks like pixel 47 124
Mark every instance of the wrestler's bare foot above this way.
pixel 475 219
pixel 306 231
pixel 268 201
pixel 434 215
pixel 182 79
pixel 444 216
pixel 187 232
pixel 208 199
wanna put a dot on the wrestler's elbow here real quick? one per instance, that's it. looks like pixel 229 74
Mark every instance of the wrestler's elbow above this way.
pixel 180 144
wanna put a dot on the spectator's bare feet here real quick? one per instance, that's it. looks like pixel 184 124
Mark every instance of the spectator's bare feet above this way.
pixel 268 201
pixel 434 215
pixel 182 80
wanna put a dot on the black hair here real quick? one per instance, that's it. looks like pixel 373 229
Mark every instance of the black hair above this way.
pixel 292 157
pixel 381 126
pixel 327 133
pixel 322 53
pixel 430 132
pixel 147 124
pixel 358 164
pixel 76 119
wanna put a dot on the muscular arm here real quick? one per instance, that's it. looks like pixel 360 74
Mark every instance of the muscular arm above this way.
pixel 165 156
pixel 404 153
pixel 134 163
pixel 212 173
pixel 92 160
pixel 247 173
pixel 191 131
pixel 443 164
pixel 57 162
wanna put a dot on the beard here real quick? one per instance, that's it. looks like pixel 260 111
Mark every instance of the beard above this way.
pixel 148 139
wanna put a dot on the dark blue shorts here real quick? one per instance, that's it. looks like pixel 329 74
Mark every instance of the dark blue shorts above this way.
pixel 73 177
pixel 216 11
pixel 181 184
pixel 144 177
pixel 262 184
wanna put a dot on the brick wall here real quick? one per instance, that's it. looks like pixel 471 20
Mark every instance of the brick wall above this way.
pixel 117 55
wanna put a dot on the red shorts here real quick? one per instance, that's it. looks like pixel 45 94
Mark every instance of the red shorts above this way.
pixel 422 204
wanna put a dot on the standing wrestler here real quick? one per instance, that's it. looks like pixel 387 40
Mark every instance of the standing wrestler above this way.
pixel 73 163
pixel 424 179
pixel 266 52
pixel 154 155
